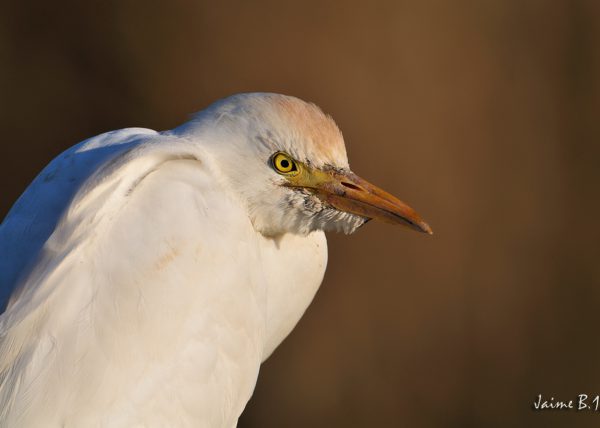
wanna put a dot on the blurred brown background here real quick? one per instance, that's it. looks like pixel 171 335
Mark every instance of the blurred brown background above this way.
pixel 482 114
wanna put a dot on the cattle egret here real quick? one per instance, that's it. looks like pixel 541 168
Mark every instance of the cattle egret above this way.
pixel 146 275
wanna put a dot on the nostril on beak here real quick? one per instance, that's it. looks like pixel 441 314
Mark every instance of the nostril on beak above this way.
pixel 350 186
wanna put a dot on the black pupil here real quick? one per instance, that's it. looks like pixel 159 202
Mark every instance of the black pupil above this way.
pixel 285 163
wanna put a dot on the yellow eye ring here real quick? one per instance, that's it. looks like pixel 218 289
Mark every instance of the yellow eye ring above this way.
pixel 284 164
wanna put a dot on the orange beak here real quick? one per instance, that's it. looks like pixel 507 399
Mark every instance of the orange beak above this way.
pixel 348 192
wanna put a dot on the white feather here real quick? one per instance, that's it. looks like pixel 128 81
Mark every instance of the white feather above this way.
pixel 151 273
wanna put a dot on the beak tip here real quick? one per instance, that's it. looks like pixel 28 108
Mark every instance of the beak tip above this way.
pixel 425 228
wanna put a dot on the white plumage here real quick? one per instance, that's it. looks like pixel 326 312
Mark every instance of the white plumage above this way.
pixel 151 273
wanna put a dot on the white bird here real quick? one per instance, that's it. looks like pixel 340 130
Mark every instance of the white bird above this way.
pixel 150 273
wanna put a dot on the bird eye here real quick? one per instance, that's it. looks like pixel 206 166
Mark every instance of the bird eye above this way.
pixel 284 164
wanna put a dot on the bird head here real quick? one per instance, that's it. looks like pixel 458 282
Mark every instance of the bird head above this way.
pixel 286 161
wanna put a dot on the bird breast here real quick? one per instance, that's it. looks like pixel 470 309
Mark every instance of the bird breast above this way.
pixel 294 266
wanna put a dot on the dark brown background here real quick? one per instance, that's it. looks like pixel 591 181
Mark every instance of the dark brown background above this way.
pixel 482 114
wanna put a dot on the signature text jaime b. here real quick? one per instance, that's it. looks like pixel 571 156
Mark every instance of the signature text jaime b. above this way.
pixel 582 402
